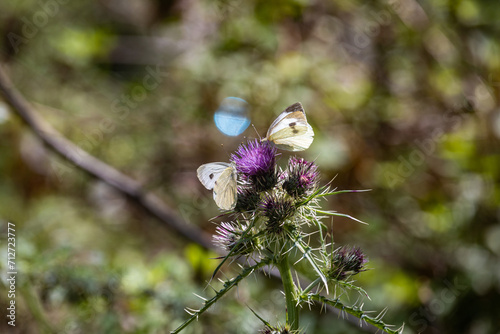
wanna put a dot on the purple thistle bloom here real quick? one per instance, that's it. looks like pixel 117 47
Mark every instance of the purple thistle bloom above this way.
pixel 346 262
pixel 255 158
pixel 256 161
pixel 277 210
pixel 301 177
pixel 229 234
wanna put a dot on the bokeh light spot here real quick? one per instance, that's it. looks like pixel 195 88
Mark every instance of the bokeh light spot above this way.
pixel 231 118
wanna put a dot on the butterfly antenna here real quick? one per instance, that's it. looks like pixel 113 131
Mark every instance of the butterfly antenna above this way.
pixel 258 135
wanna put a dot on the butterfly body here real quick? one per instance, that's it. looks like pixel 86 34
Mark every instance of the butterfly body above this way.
pixel 221 177
pixel 290 130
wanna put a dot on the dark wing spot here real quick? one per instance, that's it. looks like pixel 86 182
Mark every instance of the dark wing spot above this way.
pixel 295 131
pixel 292 124
pixel 294 107
pixel 211 176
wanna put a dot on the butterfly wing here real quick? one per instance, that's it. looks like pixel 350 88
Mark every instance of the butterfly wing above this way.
pixel 281 122
pixel 209 173
pixel 225 189
pixel 290 131
pixel 297 142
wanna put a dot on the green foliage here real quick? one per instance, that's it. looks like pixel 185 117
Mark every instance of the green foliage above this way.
pixel 403 98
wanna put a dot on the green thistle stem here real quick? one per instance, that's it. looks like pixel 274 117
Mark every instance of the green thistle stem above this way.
pixel 357 312
pixel 228 285
pixel 292 310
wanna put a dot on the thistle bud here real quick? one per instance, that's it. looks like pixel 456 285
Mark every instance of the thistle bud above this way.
pixel 277 210
pixel 345 263
pixel 229 235
pixel 248 199
pixel 301 177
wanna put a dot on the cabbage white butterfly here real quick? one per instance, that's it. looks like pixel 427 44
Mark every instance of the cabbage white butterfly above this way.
pixel 221 177
pixel 290 130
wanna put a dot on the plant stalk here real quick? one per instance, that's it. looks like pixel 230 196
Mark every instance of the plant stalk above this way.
pixel 292 310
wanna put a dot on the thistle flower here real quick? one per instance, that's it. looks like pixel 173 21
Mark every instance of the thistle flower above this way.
pixel 301 177
pixel 346 262
pixel 277 210
pixel 248 199
pixel 229 234
pixel 256 161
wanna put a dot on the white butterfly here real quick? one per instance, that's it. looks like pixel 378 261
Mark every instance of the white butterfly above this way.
pixel 290 130
pixel 221 177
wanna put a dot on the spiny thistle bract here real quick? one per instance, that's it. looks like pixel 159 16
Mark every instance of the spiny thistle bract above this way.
pixel 273 209
pixel 278 330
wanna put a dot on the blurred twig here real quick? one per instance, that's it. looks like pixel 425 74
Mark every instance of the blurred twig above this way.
pixel 95 167
pixel 128 186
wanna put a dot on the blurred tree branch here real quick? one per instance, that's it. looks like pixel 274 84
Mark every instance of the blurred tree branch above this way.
pixel 95 167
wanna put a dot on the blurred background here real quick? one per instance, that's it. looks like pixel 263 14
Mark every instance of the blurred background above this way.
pixel 403 98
